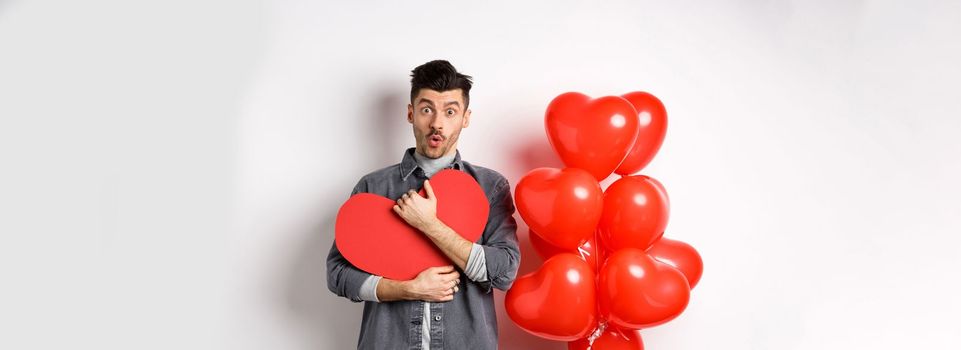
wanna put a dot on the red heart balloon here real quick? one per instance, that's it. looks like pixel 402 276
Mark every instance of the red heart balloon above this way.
pixel 591 134
pixel 557 301
pixel 635 291
pixel 562 206
pixel 652 128
pixel 679 255
pixel 635 214
pixel 612 339
pixel 588 251
pixel 375 239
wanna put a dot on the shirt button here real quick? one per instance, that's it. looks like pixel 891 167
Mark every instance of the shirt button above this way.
pixel 437 318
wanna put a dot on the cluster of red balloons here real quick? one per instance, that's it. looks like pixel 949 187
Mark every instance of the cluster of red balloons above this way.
pixel 608 270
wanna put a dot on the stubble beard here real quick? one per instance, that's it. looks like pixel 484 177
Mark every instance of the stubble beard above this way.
pixel 443 149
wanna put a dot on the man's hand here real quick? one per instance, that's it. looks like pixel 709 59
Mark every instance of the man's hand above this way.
pixel 421 213
pixel 435 284
pixel 417 211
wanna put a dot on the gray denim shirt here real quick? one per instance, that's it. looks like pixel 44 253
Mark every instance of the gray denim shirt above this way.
pixel 467 322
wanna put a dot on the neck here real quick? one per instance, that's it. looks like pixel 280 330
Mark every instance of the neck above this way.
pixel 433 165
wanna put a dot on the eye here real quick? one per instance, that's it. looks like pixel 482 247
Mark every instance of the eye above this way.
pixel 426 110
pixel 450 112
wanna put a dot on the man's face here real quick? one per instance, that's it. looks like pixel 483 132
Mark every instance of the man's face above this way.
pixel 437 118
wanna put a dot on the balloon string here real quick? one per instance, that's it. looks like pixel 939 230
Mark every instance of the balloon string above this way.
pixel 603 324
pixel 584 253
pixel 596 334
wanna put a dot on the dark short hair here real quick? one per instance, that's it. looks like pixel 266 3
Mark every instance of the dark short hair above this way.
pixel 439 75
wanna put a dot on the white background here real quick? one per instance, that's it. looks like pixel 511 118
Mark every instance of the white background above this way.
pixel 171 169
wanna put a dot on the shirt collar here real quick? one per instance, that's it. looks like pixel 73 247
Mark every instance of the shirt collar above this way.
pixel 408 164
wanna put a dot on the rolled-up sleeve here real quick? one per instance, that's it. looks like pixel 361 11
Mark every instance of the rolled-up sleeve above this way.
pixel 476 268
pixel 501 251
pixel 343 278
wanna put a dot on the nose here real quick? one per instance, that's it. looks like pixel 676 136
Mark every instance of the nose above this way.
pixel 437 123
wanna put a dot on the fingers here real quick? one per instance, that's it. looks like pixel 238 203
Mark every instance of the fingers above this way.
pixel 428 275
pixel 450 292
pixel 409 196
pixel 446 294
pixel 429 190
pixel 406 199
pixel 443 270
pixel 450 277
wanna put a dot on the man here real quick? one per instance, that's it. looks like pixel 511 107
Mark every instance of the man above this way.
pixel 449 307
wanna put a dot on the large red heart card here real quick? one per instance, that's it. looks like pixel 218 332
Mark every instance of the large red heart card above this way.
pixel 375 239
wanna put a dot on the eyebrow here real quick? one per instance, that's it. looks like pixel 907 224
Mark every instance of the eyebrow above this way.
pixel 431 103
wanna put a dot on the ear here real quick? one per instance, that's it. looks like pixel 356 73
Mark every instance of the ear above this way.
pixel 466 118
pixel 410 113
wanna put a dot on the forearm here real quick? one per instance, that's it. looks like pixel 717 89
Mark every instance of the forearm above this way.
pixel 392 290
pixel 448 241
